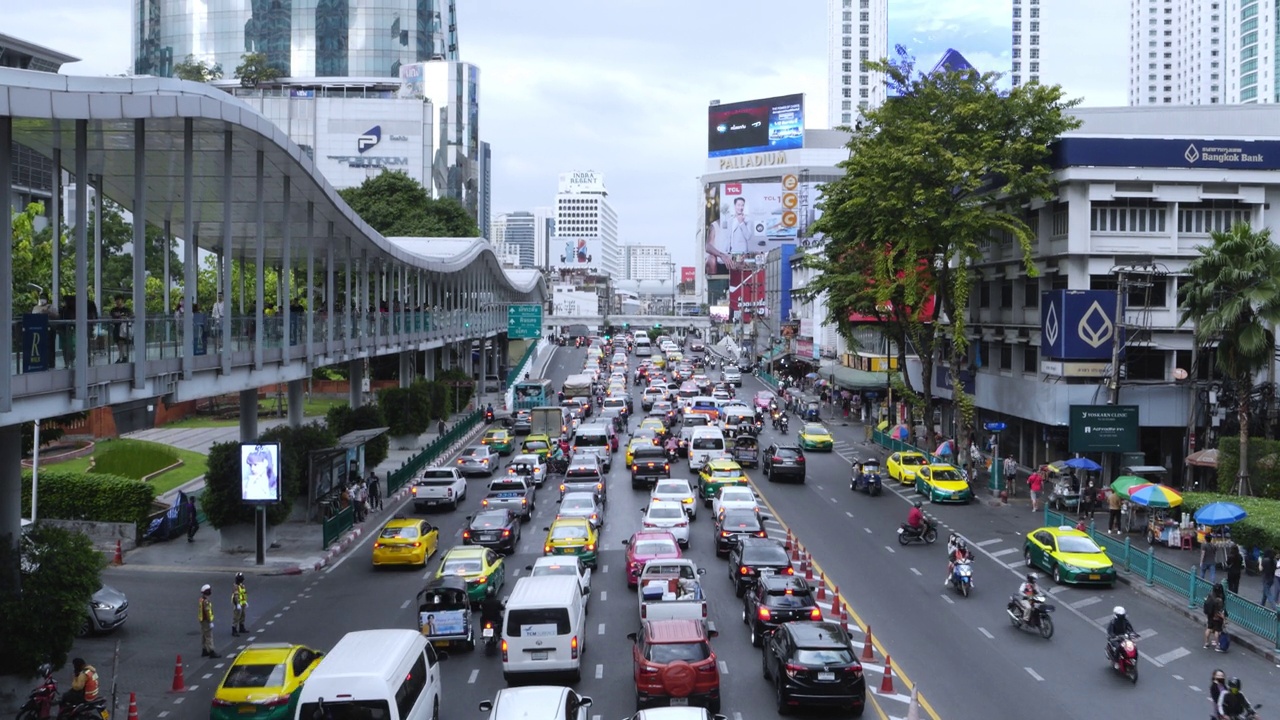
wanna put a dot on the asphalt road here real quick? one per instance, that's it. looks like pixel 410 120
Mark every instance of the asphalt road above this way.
pixel 966 658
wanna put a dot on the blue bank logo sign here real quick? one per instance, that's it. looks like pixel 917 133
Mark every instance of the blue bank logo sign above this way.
pixel 1076 325
pixel 369 139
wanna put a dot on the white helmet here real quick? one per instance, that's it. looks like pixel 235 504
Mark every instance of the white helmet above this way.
pixel 1118 610
pixel 205 589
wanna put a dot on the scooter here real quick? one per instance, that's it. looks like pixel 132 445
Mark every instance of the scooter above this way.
pixel 43 702
pixel 488 416
pixel 1122 653
pixel 783 424
pixel 927 534
pixel 1040 619
pixel 962 577
pixel 489 634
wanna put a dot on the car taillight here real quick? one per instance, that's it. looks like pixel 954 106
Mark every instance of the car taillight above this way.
pixel 482 579
pixel 788 570
pixel 416 544
pixel 793 669
pixel 648 670
pixel 743 570
pixel 466 534
pixel 275 701
pixel 504 651
pixel 591 547
pixel 524 501
pixel 800 459
pixel 414 490
pixel 546 548
pixel 855 669
pixel 762 533
pixel 725 533
pixel 573 648
pixel 599 486
pixel 562 487
pixel 764 614
pixel 666 466
pixel 450 492
pixel 484 503
pixel 222 703
pixel 815 614
pixel 776 458
pixel 709 667
pixel 378 546
pixel 683 523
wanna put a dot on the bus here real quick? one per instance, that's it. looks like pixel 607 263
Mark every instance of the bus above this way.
pixel 530 394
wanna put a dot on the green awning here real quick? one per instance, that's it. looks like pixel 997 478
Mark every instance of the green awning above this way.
pixel 847 378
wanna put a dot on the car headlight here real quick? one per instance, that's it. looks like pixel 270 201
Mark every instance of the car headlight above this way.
pixel 99 605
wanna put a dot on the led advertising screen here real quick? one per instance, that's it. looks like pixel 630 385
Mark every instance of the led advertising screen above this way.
pixel 745 218
pixel 756 126
pixel 260 480
pixel 576 253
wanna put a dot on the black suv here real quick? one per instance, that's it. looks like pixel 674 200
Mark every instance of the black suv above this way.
pixel 733 526
pixel 812 663
pixel 753 557
pixel 777 599
pixel 784 462
pixel 648 463
pixel 497 529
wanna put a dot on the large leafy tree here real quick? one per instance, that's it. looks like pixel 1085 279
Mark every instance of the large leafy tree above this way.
pixel 1233 299
pixel 396 205
pixel 254 68
pixel 933 176
pixel 197 70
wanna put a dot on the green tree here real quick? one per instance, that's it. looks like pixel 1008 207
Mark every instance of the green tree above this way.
pixel 934 176
pixel 1233 299
pixel 296 446
pixel 342 419
pixel 396 205
pixel 61 571
pixel 254 69
pixel 197 70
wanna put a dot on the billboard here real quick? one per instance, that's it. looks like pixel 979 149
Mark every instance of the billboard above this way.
pixel 748 294
pixel 1078 325
pixel 260 480
pixel 1103 428
pixel 576 253
pixel 743 218
pixel 754 126
pixel 566 300
pixel 581 181
pixel 688 274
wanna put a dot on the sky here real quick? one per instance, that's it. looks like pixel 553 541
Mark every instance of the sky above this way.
pixel 621 87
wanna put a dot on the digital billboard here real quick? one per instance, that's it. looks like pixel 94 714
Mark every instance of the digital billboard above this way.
pixel 688 274
pixel 260 473
pixel 576 253
pixel 744 218
pixel 756 126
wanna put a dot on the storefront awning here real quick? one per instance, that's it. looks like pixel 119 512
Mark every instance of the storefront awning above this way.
pixel 847 378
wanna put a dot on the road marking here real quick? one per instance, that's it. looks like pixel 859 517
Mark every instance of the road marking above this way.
pixel 1086 602
pixel 890 549
pixel 1034 674
pixel 737 716
pixel 868 530
pixel 948 599
pixel 724 669
pixel 600 631
pixel 1195 688
pixel 474 674
pixel 1002 553
pixel 1172 655
pixel 846 512
pixel 1148 633
pixel 219 666
pixel 604 569
pixel 833 499
pixel 1178 677
pixel 992 541
pixel 604 595
pixel 207 676
pixel 1102 620
pixel 917 572
pixel 599 671
pixel 164 713
pixel 405 604
pixel 279 615
pixel 984 632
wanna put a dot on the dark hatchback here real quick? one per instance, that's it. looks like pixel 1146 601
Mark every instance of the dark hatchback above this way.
pixel 734 525
pixel 753 557
pixel 648 464
pixel 778 599
pixel 813 664
pixel 522 423
pixel 497 529
pixel 783 462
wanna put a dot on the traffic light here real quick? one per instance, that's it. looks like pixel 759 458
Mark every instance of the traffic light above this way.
pixel 626 326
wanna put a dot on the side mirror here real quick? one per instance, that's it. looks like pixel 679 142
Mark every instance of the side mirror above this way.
pixel 546 529
pixel 586 702
pixel 644 510
pixel 702 571
pixel 626 542
pixel 633 637
pixel 486 705
pixel 529 568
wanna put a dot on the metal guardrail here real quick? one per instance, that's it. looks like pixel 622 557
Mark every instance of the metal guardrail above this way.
pixel 344 520
pixel 882 439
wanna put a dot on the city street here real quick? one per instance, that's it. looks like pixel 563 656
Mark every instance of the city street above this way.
pixel 962 653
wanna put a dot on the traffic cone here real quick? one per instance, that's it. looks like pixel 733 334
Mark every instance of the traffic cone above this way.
pixel 913 710
pixel 179 685
pixel 790 544
pixel 835 599
pixel 795 553
pixel 133 707
pixel 844 625
pixel 822 587
pixel 868 647
pixel 886 685
pixel 808 571
pixel 119 557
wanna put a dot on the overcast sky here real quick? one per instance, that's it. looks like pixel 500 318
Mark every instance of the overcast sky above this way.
pixel 621 86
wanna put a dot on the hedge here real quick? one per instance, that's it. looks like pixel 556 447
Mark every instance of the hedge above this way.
pixel 1260 529
pixel 90 496
pixel 1264 465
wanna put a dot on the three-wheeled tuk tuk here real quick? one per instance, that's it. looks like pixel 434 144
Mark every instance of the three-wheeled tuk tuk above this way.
pixel 866 476
pixel 746 450
pixel 444 613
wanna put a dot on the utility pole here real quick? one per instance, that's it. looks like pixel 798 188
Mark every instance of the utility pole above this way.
pixel 1113 397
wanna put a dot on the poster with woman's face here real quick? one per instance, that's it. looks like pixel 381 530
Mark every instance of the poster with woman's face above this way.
pixel 259 473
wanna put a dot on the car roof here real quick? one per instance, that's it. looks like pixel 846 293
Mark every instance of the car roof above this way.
pixel 686 481
pixel 516 702
pixel 674 631
pixel 1062 531
pixel 260 653
pixel 651 535
pixel 570 521
pixel 941 466
pixel 723 464
pixel 664 504
pixel 821 634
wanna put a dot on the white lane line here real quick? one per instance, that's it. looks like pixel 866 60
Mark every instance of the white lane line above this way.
pixel 988 634
pixel 992 541
pixel 1174 654
pixel 600 631
pixel 949 600
pixel 868 530
pixel 219 666
pixel 1086 602
pixel 737 716
pixel 1195 688
pixel 164 713
pixel 1178 677
pixel 724 669
pixel 599 671
pixel 1056 590
pixel 474 674
pixel 1034 674
pixel 1148 633
pixel 405 604
pixel 846 512
pixel 1102 621
pixel 917 572
pixel 178 701
pixel 819 487
pixel 604 569
pixel 1002 553
pixel 207 676
pixel 279 615
pixel 890 549
pixel 604 595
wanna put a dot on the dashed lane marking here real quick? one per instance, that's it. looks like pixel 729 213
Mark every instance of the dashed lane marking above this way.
pixel 1148 633
pixel 604 595
pixel 207 676
pixel 475 673
pixel 846 512
pixel 405 604
pixel 1079 604
pixel 984 631
pixel 1002 553
pixel 867 529
pixel 1174 654
pixel 724 669
pixel 917 572
pixel 1034 674
pixel 604 569
pixel 834 500
pixel 948 599
pixel 992 541
pixel 600 630
pixel 890 548
pixel 599 671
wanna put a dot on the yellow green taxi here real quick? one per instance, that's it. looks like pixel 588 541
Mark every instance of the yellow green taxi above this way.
pixel 1069 555
pixel 716 474
pixel 656 424
pixel 405 541
pixel 538 444
pixel 647 438
pixel 573 536
pixel 658 361
pixel 902 466
pixel 942 483
pixel 263 682
pixel 816 436
pixel 481 568
pixel 499 441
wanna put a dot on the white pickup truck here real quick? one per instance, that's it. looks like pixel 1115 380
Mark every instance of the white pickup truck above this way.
pixel 671 589
pixel 439 486
pixel 511 492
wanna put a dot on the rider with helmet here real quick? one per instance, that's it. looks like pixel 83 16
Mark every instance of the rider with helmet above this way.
pixel 1232 704
pixel 959 553
pixel 915 517
pixel 1027 594
pixel 1117 629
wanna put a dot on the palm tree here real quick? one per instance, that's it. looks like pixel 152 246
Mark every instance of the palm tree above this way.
pixel 1233 299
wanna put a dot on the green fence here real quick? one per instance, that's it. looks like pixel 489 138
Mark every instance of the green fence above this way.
pixel 767 379
pixel 893 445
pixel 334 526
pixel 1184 583
pixel 431 453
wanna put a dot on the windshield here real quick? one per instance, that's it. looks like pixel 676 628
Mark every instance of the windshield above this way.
pixel 534 445
pixel 911 459
pixel 1074 544
pixel 726 474
pixel 824 656
pixel 654 548
pixel 666 513
pixel 789 598
pixel 584 503
pixel 490 519
pixel 557 569
pixel 672 488
pixel 407 532
pixel 358 710
pixel 591 440
pixel 568 532
pixel 945 474
pixel 740 519
pixel 708 443
pixel 669 653
pixel 461 567
pixel 814 429
pixel 759 554
pixel 438 474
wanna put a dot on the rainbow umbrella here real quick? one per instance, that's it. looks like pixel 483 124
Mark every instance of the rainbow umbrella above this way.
pixel 1157 496
pixel 900 433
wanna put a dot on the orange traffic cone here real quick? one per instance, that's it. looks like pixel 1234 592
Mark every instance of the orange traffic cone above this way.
pixel 119 557
pixel 795 553
pixel 808 571
pixel 179 685
pixel 789 544
pixel 133 706
pixel 886 685
pixel 868 648
pixel 822 586
pixel 835 599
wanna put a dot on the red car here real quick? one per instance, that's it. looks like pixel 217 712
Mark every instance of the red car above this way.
pixel 645 546
pixel 763 398
pixel 675 665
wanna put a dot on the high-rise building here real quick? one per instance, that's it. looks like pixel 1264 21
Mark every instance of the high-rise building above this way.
pixel 315 39
pixel 484 198
pixel 457 170
pixel 519 231
pixel 586 227
pixel 858 30
pixel 544 231
pixel 1180 52
pixel 649 262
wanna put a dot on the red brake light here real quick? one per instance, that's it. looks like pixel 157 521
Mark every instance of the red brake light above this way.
pixel 764 613
pixel 792 669
pixel 815 614
pixel 743 570
pixel 800 459
pixel 485 502
pixel 504 650
pixel 222 703
pixel 417 544
pixel 724 533
pixel 789 571
pixel 573 648
pixel 466 534
pixel 762 533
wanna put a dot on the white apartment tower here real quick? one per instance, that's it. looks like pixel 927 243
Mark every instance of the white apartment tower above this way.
pixel 1180 52
pixel 857 31
pixel 583 212
pixel 1025 65
pixel 649 262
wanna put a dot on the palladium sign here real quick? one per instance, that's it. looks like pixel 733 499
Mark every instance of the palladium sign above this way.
pixel 765 159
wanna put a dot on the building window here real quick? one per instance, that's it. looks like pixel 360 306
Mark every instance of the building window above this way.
pixel 1061 220
pixel 1006 356
pixel 1006 294
pixel 984 294
pixel 847 28
pixel 1030 359
pixel 1145 364
pixel 1017 26
pixel 846 67
pixel 1212 216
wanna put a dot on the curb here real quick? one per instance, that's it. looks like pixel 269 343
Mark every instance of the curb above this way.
pixel 336 549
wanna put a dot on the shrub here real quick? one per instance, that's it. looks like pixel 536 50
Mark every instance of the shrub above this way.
pixel 296 446
pixel 133 460
pixel 1260 529
pixel 221 499
pixel 405 410
pixel 1264 466
pixel 90 496
pixel 342 420
pixel 39 624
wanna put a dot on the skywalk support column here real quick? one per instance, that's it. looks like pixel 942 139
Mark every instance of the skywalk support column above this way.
pixel 6 271
pixel 10 474
pixel 80 340
pixel 139 354
pixel 355 375
pixel 284 293
pixel 260 258
pixel 249 415
pixel 406 368
pixel 224 267
pixel 188 262
pixel 296 403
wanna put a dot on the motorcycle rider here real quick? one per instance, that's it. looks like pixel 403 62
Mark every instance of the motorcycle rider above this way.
pixel 488 411
pixel 84 687
pixel 915 518
pixel 491 612
pixel 1117 629
pixel 673 447
pixel 1232 704
pixel 1027 594
pixel 959 553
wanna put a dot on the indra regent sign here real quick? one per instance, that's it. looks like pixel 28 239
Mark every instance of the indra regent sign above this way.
pixel 1103 428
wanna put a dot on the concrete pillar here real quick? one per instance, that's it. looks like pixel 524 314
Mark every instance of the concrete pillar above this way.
pixel 429 365
pixel 355 371
pixel 10 507
pixel 406 368
pixel 249 415
pixel 296 403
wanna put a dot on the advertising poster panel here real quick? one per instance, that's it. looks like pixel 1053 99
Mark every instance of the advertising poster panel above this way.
pixel 754 126
pixel 745 218
pixel 576 253
pixel 260 480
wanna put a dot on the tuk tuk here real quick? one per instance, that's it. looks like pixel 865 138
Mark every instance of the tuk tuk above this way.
pixel 866 476
pixel 746 450
pixel 444 613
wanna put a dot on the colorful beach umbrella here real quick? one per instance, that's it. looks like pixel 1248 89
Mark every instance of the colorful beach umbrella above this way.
pixel 900 433
pixel 1124 483
pixel 1156 496
pixel 1220 513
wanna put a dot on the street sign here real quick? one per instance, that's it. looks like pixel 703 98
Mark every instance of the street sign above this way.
pixel 524 321
pixel 995 427
pixel 1103 428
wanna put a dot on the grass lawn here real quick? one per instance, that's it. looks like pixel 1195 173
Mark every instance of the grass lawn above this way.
pixel 314 407
pixel 193 463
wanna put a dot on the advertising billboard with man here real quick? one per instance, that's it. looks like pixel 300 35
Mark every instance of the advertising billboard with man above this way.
pixel 745 218
pixel 754 126
pixel 576 253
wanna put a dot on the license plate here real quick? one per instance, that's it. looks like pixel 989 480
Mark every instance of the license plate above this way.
pixel 899 531
pixel 827 676
pixel 1095 577
pixel 679 701
pixel 487 632
pixel 540 655
pixel 248 709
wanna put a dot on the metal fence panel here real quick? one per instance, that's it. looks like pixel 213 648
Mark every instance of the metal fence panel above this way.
pixel 1172 577
pixel 343 521
pixel 1251 616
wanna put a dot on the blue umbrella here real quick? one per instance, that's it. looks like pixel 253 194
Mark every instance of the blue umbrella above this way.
pixel 1080 463
pixel 1220 513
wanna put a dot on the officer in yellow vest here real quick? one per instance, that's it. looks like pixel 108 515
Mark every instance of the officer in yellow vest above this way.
pixel 239 602
pixel 206 622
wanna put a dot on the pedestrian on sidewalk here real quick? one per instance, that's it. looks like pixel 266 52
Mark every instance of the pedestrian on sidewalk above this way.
pixel 1034 484
pixel 1235 566
pixel 375 492
pixel 1209 557
pixel 193 520
pixel 1267 567
pixel 1088 497
pixel 361 496
pixel 1010 470
pixel 440 428
pixel 239 603
pixel 1113 507
pixel 206 622
pixel 1215 613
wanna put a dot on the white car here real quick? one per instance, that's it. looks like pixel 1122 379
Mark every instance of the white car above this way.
pixel 676 490
pixel 733 497
pixel 537 702
pixel 563 565
pixel 669 516
pixel 583 505
pixel 530 466
pixel 676 713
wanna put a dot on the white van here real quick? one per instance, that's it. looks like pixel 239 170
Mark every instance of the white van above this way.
pixel 390 674
pixel 644 348
pixel 706 444
pixel 544 627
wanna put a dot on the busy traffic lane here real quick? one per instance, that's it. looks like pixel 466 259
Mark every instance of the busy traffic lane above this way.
pixel 898 591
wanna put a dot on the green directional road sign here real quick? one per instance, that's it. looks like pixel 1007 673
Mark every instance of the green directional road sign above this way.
pixel 524 321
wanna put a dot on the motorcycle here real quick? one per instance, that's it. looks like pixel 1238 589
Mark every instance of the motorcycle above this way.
pixel 488 416
pixel 783 424
pixel 490 636
pixel 1249 714
pixel 673 454
pixel 1122 653
pixel 962 577
pixel 927 533
pixel 44 702
pixel 1040 619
